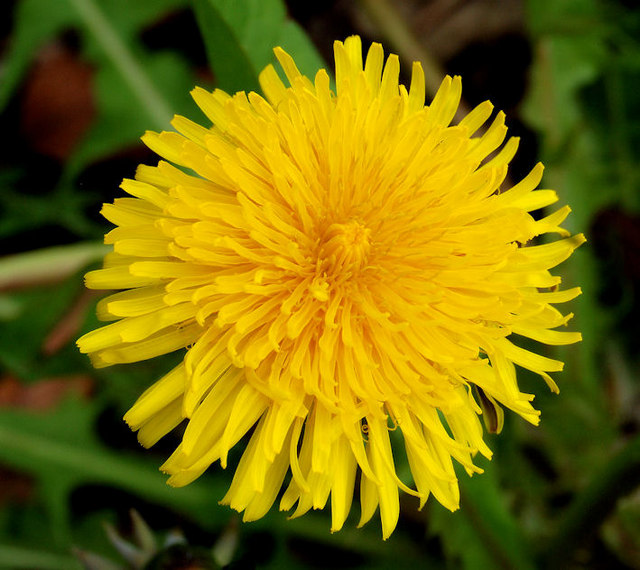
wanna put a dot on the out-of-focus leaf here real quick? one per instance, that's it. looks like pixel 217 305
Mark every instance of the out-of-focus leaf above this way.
pixel 16 557
pixel 62 207
pixel 571 52
pixel 240 36
pixel 112 49
pixel 36 22
pixel 459 539
pixel 122 121
pixel 135 90
pixel 9 308
pixel 622 531
pixel 616 477
pixel 483 502
pixel 483 533
pixel 60 450
pixel 21 349
pixel 300 541
pixel 132 17
pixel 562 17
pixel 563 66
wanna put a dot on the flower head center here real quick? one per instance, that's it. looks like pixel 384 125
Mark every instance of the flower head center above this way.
pixel 346 246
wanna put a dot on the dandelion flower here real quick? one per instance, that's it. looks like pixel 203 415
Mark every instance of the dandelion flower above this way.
pixel 338 266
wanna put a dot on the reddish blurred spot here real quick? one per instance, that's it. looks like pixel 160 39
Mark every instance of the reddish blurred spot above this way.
pixel 44 394
pixel 15 487
pixel 57 105
pixel 616 238
pixel 67 328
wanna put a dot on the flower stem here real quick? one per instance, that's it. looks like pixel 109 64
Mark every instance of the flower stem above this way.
pixel 132 72
pixel 47 265
pixel 619 476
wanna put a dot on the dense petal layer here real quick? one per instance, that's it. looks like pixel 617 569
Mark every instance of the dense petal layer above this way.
pixel 345 270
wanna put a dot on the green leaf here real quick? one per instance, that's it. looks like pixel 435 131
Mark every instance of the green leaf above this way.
pixel 366 542
pixel 232 65
pixel 294 40
pixel 23 337
pixel 135 90
pixel 60 450
pixel 616 477
pixel 122 120
pixel 15 557
pixel 483 502
pixel 36 22
pixel 118 53
pixel 39 21
pixel 562 16
pixel 240 35
pixel 459 539
pixel 131 17
pixel 562 66
pixel 483 533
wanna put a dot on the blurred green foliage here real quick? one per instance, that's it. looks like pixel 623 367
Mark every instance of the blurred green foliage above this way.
pixel 552 495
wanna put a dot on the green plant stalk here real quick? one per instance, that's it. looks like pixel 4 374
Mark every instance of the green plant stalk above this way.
pixel 134 74
pixel 47 265
pixel 618 477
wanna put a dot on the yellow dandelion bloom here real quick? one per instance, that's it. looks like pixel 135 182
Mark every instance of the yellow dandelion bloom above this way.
pixel 337 265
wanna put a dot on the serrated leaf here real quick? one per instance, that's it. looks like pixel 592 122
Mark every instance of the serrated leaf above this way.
pixel 573 52
pixel 563 65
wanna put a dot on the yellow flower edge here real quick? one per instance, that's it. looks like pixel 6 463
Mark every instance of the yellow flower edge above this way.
pixel 337 265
